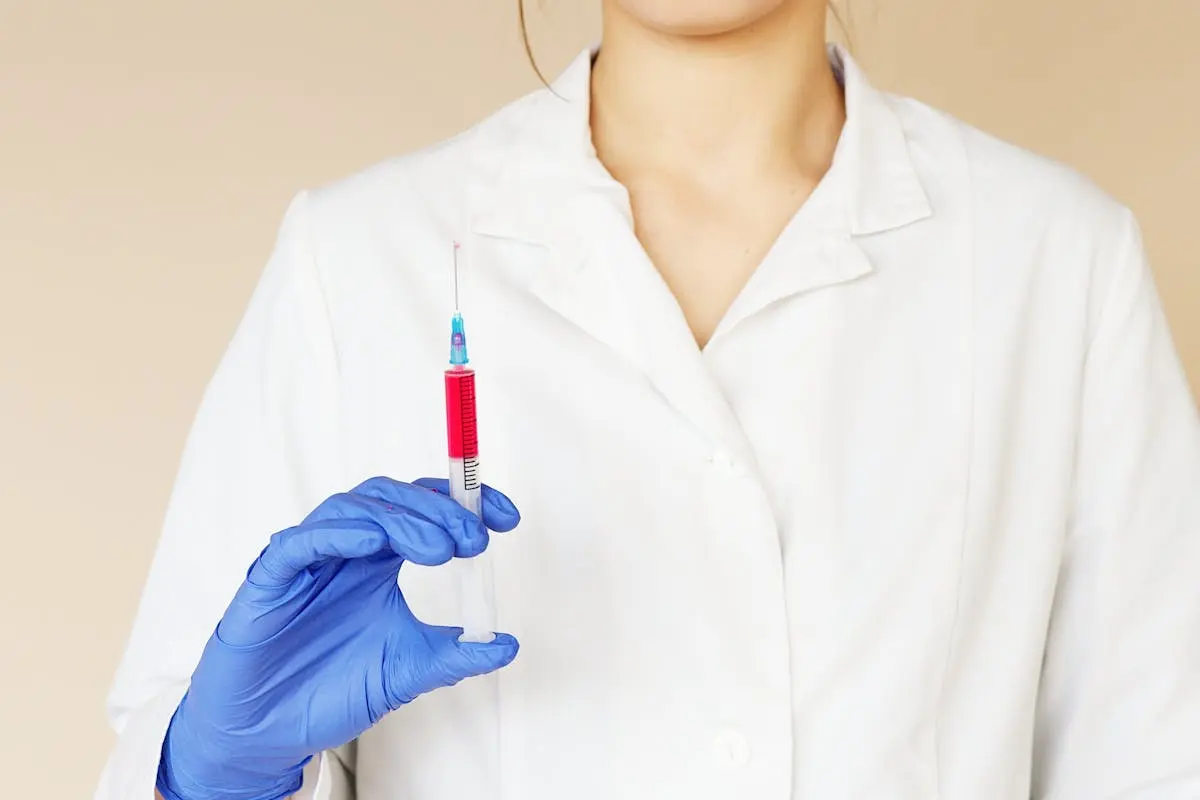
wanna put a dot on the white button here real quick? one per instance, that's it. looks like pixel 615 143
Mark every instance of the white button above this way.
pixel 724 462
pixel 730 749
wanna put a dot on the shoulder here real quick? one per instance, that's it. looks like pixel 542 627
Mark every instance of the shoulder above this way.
pixel 1006 187
pixel 1040 232
pixel 413 195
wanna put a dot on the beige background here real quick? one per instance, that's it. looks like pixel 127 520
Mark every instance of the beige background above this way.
pixel 147 152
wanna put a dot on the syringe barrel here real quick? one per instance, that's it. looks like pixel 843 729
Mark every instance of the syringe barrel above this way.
pixel 477 584
pixel 462 431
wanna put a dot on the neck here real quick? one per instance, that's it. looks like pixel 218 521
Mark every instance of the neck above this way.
pixel 761 97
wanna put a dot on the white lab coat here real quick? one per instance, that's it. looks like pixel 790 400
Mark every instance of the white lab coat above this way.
pixel 921 521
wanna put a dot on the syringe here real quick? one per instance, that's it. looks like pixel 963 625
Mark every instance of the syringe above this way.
pixel 462 436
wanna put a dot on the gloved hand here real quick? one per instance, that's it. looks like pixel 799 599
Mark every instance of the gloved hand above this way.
pixel 318 643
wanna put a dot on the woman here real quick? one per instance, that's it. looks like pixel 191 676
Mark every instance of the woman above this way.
pixel 854 458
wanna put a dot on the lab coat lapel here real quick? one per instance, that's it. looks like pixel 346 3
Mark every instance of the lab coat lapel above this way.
pixel 579 257
pixel 871 188
pixel 552 254
pixel 797 264
pixel 664 346
pixel 540 188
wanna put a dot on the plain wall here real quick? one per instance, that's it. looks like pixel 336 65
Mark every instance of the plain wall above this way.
pixel 148 150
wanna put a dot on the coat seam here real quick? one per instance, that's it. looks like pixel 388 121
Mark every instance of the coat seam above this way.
pixel 964 523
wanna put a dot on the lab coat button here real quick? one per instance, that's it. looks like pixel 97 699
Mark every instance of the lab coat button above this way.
pixel 724 462
pixel 730 749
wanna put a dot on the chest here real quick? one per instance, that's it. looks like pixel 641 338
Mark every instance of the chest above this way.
pixel 824 436
pixel 726 555
pixel 707 545
pixel 829 382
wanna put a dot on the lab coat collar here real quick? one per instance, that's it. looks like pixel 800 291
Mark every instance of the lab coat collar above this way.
pixel 537 158
pixel 883 189
pixel 546 154
pixel 540 183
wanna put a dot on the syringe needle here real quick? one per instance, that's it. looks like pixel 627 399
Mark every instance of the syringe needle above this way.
pixel 456 277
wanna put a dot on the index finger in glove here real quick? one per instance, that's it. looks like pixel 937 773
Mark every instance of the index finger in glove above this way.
pixel 470 535
pixel 293 550
pixel 355 526
pixel 499 513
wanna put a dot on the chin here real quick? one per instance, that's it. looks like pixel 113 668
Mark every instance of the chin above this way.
pixel 699 17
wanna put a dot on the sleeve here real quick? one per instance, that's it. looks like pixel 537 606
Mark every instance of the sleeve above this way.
pixel 265 448
pixel 1119 706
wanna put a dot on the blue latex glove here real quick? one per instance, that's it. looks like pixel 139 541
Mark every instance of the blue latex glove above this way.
pixel 318 643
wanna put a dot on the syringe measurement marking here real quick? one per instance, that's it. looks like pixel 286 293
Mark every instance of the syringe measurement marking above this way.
pixel 471 473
